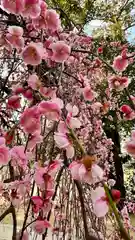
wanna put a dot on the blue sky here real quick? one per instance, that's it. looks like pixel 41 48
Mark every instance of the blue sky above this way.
pixel 95 24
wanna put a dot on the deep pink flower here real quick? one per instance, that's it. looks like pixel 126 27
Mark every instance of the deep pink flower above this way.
pixel 61 51
pixel 14 102
pixel 30 120
pixel 18 156
pixel 63 142
pixel 100 50
pixel 14 6
pixel 100 203
pixel 17 89
pixel 118 83
pixel 37 202
pixel 52 20
pixel 28 94
pixel 4 155
pixel 40 226
pixel 129 114
pixel 33 53
pixel 120 63
pixel 14 36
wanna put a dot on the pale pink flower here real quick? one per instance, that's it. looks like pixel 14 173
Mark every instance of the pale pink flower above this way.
pixel 52 20
pixel 33 53
pixel 18 156
pixel 72 109
pixel 14 36
pixel 40 226
pixel 88 93
pixel 100 203
pixel 2 141
pixel 63 142
pixel 129 114
pixel 32 8
pixel 33 81
pixel 62 127
pixel 120 63
pixel 14 102
pixel 73 122
pixel 14 6
pixel 50 109
pixel 34 139
pixel 91 176
pixel 61 51
pixel 118 83
pixel 30 120
pixel 4 155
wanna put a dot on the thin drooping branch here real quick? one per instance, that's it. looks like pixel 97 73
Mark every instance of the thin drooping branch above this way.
pixel 7 211
pixel 11 210
pixel 27 212
pixel 53 197
pixel 87 235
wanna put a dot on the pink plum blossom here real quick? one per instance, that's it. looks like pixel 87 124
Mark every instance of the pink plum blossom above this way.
pixel 100 203
pixel 118 83
pixel 71 121
pixel 63 142
pixel 30 120
pixel 17 89
pixel 28 94
pixel 130 144
pixel 14 102
pixel 120 63
pixel 81 173
pixel 34 139
pixel 33 53
pixel 14 36
pixel 33 81
pixel 44 175
pixel 15 6
pixel 4 152
pixel 19 157
pixel 129 114
pixel 40 226
pixel 52 20
pixel 50 109
pixel 31 8
pixel 88 93
pixel 48 92
pixel 61 51
pixel 37 202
